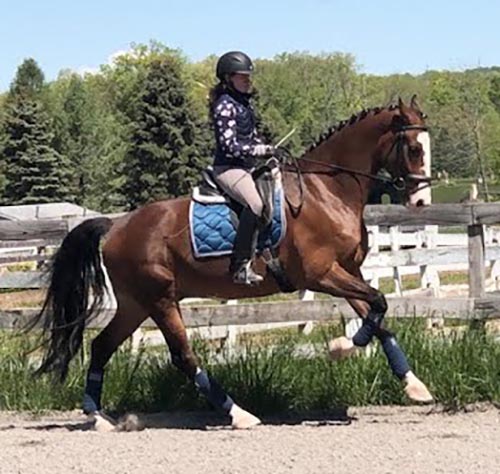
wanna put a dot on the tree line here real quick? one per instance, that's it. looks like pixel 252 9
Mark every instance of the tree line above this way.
pixel 138 129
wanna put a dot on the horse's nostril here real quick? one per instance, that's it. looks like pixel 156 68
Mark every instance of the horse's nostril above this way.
pixel 420 203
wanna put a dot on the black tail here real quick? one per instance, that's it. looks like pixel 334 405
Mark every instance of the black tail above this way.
pixel 76 268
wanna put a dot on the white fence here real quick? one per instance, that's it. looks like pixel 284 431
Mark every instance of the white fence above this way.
pixel 389 257
pixel 394 251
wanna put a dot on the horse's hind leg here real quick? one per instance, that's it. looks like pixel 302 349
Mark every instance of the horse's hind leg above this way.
pixel 126 320
pixel 168 317
pixel 370 304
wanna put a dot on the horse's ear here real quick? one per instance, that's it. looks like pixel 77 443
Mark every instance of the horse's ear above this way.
pixel 401 104
pixel 414 104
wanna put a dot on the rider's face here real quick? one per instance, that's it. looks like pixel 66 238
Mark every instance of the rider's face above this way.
pixel 242 82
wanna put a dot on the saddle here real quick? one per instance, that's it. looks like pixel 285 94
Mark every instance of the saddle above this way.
pixel 267 180
pixel 213 219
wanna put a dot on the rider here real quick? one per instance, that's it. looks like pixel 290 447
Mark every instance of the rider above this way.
pixel 237 147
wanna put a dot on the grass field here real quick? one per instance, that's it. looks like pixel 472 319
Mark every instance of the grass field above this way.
pixel 267 376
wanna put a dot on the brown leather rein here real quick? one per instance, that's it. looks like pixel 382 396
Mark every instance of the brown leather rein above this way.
pixel 400 183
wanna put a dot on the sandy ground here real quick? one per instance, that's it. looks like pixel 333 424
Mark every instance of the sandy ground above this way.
pixel 366 440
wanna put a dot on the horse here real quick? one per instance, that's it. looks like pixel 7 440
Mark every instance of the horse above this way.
pixel 148 255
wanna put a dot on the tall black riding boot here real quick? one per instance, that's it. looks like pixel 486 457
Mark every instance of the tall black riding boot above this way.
pixel 245 244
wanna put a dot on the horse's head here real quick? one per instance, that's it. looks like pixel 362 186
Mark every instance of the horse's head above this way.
pixel 406 152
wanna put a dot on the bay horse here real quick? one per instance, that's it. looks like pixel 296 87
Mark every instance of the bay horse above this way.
pixel 149 258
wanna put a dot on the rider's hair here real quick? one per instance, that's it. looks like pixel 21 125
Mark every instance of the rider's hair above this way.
pixel 215 93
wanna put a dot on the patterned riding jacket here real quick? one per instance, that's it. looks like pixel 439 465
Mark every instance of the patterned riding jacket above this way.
pixel 235 131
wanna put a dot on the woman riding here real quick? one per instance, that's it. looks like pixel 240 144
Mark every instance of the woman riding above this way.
pixel 237 148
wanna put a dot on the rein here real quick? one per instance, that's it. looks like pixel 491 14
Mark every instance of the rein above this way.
pixel 399 183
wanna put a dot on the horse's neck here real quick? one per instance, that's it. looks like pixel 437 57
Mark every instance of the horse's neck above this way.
pixel 353 148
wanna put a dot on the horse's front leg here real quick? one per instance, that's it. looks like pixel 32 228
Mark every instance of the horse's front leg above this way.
pixel 370 304
pixel 340 347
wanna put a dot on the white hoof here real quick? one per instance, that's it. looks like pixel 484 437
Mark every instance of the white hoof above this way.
pixel 416 390
pixel 241 419
pixel 103 423
pixel 340 348
pixel 130 422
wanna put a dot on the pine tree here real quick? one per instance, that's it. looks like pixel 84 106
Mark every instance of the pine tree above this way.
pixel 169 143
pixel 74 134
pixel 33 169
pixel 29 79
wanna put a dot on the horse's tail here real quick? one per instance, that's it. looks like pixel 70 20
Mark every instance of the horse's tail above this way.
pixel 76 268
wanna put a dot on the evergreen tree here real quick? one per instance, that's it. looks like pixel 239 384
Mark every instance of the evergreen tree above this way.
pixel 29 79
pixel 168 141
pixel 74 133
pixel 33 169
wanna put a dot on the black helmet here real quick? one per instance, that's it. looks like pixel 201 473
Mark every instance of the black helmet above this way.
pixel 233 62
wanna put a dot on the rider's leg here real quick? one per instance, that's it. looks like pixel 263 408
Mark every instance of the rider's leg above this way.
pixel 239 184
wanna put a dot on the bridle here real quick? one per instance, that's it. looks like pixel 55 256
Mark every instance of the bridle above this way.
pixel 399 183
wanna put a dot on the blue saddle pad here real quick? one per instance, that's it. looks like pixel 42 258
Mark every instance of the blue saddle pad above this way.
pixel 213 232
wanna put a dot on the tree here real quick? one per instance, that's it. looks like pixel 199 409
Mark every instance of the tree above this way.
pixel 494 92
pixel 29 80
pixel 451 147
pixel 3 138
pixel 33 169
pixel 167 143
pixel 476 106
pixel 73 132
pixel 308 92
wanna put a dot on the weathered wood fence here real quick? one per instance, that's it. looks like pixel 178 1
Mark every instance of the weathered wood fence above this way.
pixel 479 250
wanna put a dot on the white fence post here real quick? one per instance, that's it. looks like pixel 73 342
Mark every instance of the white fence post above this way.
pixel 374 247
pixel 306 295
pixel 428 273
pixel 394 236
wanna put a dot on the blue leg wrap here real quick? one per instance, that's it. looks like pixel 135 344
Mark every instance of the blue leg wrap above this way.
pixel 395 355
pixel 212 391
pixel 365 333
pixel 93 390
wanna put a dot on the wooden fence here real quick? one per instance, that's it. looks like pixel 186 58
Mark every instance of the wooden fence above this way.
pixel 472 217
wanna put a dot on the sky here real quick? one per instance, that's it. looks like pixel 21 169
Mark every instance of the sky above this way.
pixel 385 36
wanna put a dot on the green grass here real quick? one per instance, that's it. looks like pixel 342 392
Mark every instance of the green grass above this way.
pixel 412 282
pixel 459 189
pixel 267 377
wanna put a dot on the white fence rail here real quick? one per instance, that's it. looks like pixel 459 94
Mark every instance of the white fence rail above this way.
pixel 393 253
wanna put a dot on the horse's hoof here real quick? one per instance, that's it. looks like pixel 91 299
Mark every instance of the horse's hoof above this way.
pixel 416 390
pixel 103 423
pixel 242 420
pixel 340 348
pixel 130 422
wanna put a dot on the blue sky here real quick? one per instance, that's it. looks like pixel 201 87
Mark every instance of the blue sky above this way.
pixel 385 36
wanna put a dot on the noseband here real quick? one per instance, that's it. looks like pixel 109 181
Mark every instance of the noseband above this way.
pixel 400 183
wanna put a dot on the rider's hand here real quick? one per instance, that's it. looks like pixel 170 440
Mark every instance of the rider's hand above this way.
pixel 263 150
